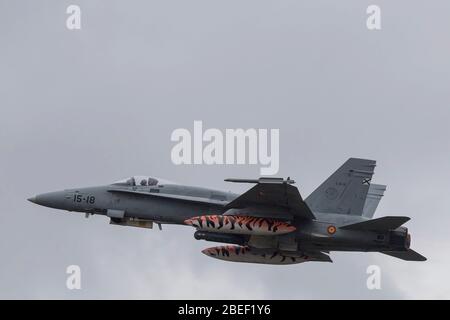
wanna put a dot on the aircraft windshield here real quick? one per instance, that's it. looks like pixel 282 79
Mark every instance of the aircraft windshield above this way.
pixel 138 181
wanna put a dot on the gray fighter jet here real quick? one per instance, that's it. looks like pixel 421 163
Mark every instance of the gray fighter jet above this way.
pixel 270 223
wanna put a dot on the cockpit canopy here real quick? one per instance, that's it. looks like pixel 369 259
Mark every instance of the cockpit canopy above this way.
pixel 139 181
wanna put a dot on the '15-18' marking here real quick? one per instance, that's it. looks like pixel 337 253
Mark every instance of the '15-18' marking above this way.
pixel 79 198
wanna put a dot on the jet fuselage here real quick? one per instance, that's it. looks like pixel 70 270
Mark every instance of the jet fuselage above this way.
pixel 175 204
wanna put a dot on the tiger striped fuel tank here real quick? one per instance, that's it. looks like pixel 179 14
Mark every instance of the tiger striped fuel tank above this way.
pixel 244 254
pixel 240 225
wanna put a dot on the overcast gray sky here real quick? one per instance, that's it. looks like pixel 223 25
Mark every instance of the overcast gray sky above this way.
pixel 91 106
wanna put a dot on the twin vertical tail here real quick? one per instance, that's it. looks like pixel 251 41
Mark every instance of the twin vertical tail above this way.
pixel 374 195
pixel 345 191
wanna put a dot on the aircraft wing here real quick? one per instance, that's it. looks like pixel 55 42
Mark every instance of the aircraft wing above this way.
pixel 272 192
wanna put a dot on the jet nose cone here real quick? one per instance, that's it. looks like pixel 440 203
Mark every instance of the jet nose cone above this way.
pixel 51 199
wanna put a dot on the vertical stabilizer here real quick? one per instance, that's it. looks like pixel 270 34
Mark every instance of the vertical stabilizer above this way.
pixel 374 196
pixel 345 191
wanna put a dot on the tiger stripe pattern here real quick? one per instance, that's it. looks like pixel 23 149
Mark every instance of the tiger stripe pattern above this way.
pixel 244 254
pixel 240 224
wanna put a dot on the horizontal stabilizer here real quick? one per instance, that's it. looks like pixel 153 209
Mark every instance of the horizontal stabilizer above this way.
pixel 379 224
pixel 409 255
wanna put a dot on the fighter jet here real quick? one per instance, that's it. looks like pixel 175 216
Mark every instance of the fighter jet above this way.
pixel 270 223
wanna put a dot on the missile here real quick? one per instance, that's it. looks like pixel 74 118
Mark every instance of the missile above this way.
pixel 245 254
pixel 240 225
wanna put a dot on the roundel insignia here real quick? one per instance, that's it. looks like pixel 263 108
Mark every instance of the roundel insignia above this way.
pixel 331 193
pixel 331 229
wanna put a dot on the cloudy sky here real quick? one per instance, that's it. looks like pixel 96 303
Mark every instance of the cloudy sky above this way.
pixel 91 106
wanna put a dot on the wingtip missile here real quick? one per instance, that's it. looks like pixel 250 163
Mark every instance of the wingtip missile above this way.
pixel 269 180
